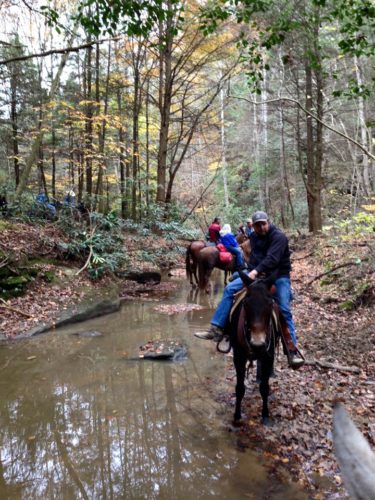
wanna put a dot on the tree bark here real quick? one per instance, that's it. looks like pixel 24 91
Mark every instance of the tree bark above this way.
pixel 121 136
pixel 13 115
pixel 314 150
pixel 89 123
pixel 165 100
pixel 364 133
pixel 53 187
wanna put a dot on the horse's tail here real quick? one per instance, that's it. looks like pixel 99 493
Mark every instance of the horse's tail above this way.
pixel 188 264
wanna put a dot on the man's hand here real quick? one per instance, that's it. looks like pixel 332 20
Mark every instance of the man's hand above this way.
pixel 253 274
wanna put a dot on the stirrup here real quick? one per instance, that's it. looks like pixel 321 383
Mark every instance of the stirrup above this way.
pixel 225 338
pixel 301 358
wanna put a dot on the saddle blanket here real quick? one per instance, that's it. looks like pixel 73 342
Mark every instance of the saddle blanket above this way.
pixel 224 256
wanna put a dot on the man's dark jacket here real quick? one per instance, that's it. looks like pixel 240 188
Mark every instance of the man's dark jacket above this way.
pixel 270 252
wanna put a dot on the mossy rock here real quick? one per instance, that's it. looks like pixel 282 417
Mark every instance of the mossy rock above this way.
pixel 48 276
pixel 14 286
pixel 14 292
pixel 4 225
pixel 14 281
pixel 325 282
pixel 45 260
pixel 348 305
pixel 5 272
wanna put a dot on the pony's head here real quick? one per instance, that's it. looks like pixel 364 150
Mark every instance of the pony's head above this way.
pixel 257 305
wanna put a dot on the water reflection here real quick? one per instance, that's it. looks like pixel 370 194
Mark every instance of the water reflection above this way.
pixel 81 421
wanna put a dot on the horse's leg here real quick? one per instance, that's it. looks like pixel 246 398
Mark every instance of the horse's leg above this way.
pixel 208 283
pixel 195 265
pixel 189 265
pixel 266 365
pixel 225 277
pixel 240 364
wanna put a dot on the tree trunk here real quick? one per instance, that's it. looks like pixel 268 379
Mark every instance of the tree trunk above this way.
pixel 223 146
pixel 53 187
pixel 165 99
pixel 121 137
pixel 364 133
pixel 88 122
pixel 147 187
pixel 135 141
pixel 81 175
pixel 102 133
pixel 13 115
pixel 71 153
pixel 42 177
pixel 313 157
pixel 265 202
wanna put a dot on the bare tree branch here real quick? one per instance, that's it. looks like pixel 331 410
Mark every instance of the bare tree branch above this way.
pixel 340 266
pixel 56 51
pixel 366 151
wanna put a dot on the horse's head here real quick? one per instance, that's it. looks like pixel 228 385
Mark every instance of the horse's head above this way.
pixel 257 305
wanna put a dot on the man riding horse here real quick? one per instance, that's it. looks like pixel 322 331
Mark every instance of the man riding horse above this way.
pixel 269 254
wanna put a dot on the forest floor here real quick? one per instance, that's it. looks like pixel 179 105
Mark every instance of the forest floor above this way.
pixel 334 286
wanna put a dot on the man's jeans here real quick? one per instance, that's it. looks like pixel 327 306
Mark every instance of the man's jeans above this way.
pixel 236 251
pixel 283 297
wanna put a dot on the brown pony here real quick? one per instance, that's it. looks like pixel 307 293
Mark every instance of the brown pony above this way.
pixel 209 258
pixel 191 259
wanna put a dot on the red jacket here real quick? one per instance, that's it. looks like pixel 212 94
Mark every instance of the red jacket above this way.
pixel 213 232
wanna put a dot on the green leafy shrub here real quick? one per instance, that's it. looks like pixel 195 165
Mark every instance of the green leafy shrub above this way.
pixel 103 238
pixel 361 223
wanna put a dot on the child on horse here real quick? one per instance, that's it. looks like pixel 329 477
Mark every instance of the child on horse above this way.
pixel 228 239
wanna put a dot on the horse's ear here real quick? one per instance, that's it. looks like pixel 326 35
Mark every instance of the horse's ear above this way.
pixel 245 278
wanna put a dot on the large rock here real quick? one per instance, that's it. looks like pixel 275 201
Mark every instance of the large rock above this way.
pixel 163 350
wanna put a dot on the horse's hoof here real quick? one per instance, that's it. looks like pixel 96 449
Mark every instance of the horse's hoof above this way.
pixel 267 422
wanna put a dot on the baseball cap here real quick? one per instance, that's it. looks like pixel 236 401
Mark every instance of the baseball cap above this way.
pixel 259 216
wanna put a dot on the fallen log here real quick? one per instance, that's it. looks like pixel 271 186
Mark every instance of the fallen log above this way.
pixel 340 266
pixel 13 309
pixel 354 455
pixel 333 366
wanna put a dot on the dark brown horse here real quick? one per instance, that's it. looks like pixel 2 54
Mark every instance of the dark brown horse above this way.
pixel 191 260
pixel 253 337
pixel 209 258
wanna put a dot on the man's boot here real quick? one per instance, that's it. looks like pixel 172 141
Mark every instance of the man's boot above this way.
pixel 214 333
pixel 295 358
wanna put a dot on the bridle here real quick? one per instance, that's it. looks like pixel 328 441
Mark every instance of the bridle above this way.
pixel 270 340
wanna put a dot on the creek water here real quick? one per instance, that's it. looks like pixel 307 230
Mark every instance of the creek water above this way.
pixel 78 420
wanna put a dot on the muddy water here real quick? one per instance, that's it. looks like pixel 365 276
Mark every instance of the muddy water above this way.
pixel 80 421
